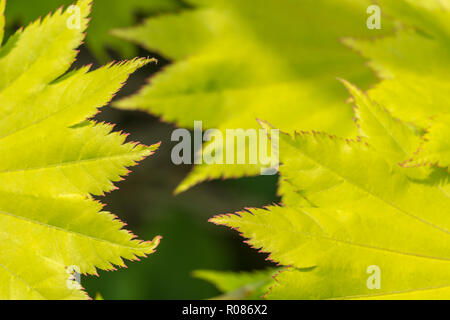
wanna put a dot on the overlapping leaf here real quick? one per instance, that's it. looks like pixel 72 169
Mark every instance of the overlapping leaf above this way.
pixel 236 61
pixel 106 15
pixel 436 145
pixel 53 160
pixel 414 65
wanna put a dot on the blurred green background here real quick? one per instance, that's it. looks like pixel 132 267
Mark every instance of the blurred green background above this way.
pixel 145 200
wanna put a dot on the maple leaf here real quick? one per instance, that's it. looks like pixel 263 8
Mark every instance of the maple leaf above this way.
pixel 106 15
pixel 53 160
pixel 236 61
pixel 349 208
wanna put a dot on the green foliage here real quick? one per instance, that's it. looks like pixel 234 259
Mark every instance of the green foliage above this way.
pixel 348 207
pixel 239 285
pixel 236 61
pixel 106 15
pixel 436 145
pixel 379 200
pixel 53 160
pixel 414 67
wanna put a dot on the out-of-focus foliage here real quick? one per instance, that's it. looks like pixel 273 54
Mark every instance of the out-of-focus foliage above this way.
pixel 106 15
pixel 53 161
pixel 239 285
pixel 414 65
pixel 236 61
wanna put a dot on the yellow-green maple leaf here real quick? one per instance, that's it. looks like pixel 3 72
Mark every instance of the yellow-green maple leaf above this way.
pixel 348 207
pixel 53 160
pixel 236 61
pixel 414 67
pixel 364 215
